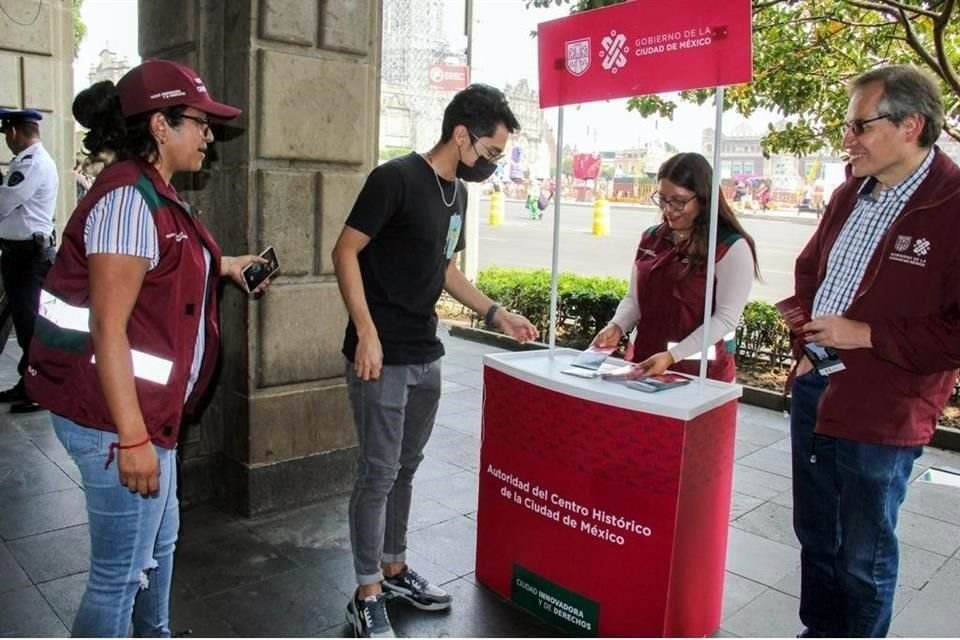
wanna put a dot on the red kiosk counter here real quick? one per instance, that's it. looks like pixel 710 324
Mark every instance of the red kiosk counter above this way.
pixel 604 510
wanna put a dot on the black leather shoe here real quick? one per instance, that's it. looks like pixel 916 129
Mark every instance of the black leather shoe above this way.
pixel 25 406
pixel 16 393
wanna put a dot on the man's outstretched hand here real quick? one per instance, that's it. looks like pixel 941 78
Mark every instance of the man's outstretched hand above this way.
pixel 515 326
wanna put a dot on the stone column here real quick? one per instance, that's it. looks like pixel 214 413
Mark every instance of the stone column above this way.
pixel 278 430
pixel 36 72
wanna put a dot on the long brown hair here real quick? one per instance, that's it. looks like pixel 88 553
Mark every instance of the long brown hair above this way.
pixel 691 171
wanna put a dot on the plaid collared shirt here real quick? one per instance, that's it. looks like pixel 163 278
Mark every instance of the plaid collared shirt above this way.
pixel 859 238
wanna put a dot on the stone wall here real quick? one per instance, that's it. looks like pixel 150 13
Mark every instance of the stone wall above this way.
pixel 36 72
pixel 278 430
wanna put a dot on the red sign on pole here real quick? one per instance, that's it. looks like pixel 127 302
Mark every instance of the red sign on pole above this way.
pixel 643 47
pixel 449 77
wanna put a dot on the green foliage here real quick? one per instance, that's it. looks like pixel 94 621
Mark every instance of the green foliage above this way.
pixel 79 27
pixel 393 152
pixel 762 335
pixel 584 303
pixel 806 51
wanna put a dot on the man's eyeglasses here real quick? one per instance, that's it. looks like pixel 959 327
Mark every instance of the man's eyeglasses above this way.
pixel 676 204
pixel 858 127
pixel 489 155
pixel 203 122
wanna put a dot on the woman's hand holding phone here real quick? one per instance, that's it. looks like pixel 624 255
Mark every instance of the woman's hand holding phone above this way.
pixel 251 272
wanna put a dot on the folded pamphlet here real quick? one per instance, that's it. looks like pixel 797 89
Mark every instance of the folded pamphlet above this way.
pixel 620 373
pixel 666 380
pixel 589 361
pixel 662 382
pixel 825 360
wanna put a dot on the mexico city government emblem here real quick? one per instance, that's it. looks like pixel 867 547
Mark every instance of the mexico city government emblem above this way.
pixel 578 56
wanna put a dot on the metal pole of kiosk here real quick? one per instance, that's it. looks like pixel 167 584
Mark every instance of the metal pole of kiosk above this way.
pixel 712 243
pixel 555 264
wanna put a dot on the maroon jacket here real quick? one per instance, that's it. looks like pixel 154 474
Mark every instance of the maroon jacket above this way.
pixel 893 393
pixel 671 302
pixel 162 328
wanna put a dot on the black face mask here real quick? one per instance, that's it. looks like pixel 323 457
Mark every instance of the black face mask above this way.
pixel 480 171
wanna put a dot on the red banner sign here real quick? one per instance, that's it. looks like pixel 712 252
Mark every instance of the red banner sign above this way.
pixel 586 166
pixel 449 77
pixel 643 47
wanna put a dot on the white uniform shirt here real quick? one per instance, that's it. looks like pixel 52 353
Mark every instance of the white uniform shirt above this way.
pixel 28 195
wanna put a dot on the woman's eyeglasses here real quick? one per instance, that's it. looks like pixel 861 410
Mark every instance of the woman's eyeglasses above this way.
pixel 203 122
pixel 676 204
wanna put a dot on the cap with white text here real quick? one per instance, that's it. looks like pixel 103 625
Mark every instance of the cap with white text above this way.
pixel 159 84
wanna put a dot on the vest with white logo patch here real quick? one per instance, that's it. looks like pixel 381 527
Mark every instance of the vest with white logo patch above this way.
pixel 163 325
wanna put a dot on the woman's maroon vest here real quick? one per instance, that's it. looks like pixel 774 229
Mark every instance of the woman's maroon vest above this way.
pixel 162 328
pixel 671 302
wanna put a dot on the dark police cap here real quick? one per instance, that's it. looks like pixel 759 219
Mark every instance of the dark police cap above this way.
pixel 8 116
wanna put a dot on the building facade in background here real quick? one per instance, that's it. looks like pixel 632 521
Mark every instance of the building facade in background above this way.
pixel 109 66
pixel 422 70
pixel 36 56
pixel 411 106
pixel 741 159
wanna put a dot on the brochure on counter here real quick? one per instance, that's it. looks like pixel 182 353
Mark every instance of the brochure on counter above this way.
pixel 590 364
pixel 666 380
pixel 825 360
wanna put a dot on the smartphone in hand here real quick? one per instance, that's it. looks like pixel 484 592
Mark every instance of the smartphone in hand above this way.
pixel 254 274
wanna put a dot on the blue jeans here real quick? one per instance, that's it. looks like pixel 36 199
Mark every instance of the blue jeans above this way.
pixel 394 419
pixel 132 540
pixel 846 499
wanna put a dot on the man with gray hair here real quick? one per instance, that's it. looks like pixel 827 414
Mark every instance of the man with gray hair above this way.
pixel 881 279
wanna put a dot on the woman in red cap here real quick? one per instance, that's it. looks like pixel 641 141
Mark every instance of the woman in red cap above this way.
pixel 127 338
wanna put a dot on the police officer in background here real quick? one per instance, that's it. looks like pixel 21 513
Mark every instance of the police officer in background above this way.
pixel 28 199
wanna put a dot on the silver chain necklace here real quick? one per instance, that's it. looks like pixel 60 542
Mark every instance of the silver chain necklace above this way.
pixel 456 184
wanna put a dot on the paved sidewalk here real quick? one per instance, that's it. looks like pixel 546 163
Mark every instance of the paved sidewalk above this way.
pixel 290 574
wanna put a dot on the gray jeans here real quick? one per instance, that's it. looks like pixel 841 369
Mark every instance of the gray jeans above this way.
pixel 394 418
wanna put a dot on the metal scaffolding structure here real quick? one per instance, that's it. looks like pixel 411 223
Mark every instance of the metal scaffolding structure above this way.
pixel 413 40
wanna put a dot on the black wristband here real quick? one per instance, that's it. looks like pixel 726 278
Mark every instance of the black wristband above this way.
pixel 491 312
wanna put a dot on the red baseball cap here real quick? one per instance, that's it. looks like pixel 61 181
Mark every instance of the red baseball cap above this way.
pixel 158 84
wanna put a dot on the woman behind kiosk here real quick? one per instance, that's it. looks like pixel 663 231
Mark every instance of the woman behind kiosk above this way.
pixel 668 281
pixel 127 338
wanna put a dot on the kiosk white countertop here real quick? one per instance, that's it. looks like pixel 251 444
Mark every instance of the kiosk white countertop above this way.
pixel 544 368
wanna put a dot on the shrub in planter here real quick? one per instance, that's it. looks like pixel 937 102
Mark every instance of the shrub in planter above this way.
pixel 763 336
pixel 584 303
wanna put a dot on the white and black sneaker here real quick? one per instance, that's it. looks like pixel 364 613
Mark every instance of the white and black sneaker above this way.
pixel 369 617
pixel 411 587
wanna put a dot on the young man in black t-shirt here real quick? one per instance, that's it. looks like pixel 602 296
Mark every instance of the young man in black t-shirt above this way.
pixel 393 259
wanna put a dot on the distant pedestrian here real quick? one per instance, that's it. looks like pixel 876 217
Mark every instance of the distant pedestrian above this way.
pixel 28 202
pixel 879 278
pixel 739 191
pixel 128 339
pixel 764 196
